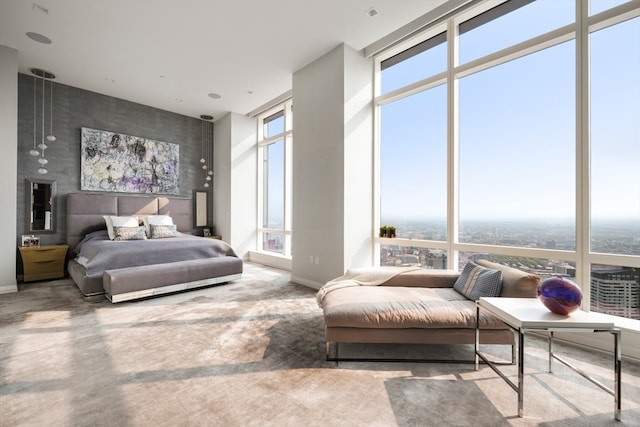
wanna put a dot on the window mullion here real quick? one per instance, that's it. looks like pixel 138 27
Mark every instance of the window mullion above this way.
pixel 582 150
pixel 452 146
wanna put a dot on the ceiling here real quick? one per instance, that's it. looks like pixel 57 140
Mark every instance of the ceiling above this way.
pixel 172 54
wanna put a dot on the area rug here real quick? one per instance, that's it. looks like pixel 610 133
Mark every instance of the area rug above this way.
pixel 252 353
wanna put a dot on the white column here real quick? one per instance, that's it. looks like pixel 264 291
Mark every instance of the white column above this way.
pixel 8 167
pixel 235 181
pixel 332 164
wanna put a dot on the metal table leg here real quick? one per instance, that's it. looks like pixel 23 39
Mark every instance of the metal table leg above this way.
pixel 617 355
pixel 477 341
pixel 520 373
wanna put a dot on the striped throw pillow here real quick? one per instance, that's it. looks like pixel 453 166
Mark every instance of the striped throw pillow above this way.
pixel 476 281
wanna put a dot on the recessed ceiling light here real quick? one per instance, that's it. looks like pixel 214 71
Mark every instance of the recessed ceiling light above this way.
pixel 40 9
pixel 42 73
pixel 250 92
pixel 214 95
pixel 206 117
pixel 36 37
pixel 371 12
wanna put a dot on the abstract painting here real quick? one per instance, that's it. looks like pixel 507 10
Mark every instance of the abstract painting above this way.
pixel 121 163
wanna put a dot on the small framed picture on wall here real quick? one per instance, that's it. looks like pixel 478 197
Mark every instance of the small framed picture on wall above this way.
pixel 206 232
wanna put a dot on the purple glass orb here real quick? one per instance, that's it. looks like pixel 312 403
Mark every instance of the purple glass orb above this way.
pixel 560 295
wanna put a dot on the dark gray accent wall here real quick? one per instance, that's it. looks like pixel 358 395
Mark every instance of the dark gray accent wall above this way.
pixel 75 108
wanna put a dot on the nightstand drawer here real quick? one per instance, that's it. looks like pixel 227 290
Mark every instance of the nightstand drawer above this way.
pixel 43 262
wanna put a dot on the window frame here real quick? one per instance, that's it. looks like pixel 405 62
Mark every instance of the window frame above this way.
pixel 579 31
pixel 286 110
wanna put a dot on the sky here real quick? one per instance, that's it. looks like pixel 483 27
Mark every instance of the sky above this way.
pixel 517 125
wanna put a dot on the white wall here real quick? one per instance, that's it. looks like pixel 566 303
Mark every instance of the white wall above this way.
pixel 235 181
pixel 222 177
pixel 332 190
pixel 8 167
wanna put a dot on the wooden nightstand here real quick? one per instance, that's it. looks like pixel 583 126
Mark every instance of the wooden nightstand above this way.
pixel 43 262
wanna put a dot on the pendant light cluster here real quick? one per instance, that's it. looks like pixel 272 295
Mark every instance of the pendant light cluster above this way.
pixel 207 148
pixel 39 149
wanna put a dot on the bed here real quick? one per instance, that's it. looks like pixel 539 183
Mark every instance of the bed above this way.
pixel 130 269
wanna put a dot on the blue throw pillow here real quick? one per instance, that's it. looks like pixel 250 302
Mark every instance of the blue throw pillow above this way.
pixel 476 281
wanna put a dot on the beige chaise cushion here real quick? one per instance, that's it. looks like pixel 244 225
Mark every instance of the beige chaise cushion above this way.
pixel 424 279
pixel 402 307
pixel 515 283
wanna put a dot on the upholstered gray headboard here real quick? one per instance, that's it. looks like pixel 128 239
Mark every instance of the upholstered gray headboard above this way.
pixel 84 212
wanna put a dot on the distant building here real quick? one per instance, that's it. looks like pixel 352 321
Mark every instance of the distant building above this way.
pixel 564 269
pixel 476 257
pixel 616 292
pixel 407 260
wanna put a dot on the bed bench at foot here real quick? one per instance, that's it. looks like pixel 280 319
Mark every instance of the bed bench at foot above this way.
pixel 149 280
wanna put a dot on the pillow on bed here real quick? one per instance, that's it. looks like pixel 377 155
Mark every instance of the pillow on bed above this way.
pixel 129 233
pixel 156 220
pixel 119 221
pixel 162 231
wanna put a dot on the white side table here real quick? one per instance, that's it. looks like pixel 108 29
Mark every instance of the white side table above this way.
pixel 530 315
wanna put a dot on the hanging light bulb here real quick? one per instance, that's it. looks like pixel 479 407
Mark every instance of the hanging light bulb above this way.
pixel 208 178
pixel 206 185
pixel 210 172
pixel 51 137
pixel 33 151
pixel 42 169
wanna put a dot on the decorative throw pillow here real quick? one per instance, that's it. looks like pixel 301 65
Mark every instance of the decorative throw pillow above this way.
pixel 156 220
pixel 119 221
pixel 162 231
pixel 129 233
pixel 476 281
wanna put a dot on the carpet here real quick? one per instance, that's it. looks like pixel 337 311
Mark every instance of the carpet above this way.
pixel 251 353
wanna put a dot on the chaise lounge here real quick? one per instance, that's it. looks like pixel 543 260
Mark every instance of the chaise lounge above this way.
pixel 416 306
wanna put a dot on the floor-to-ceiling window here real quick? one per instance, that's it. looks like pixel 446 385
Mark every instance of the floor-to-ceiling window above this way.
pixel 614 169
pixel 275 137
pixel 511 131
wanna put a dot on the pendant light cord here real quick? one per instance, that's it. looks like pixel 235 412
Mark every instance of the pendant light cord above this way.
pixel 51 110
pixel 43 118
pixel 34 110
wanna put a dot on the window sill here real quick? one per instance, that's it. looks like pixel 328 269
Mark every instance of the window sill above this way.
pixel 271 259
